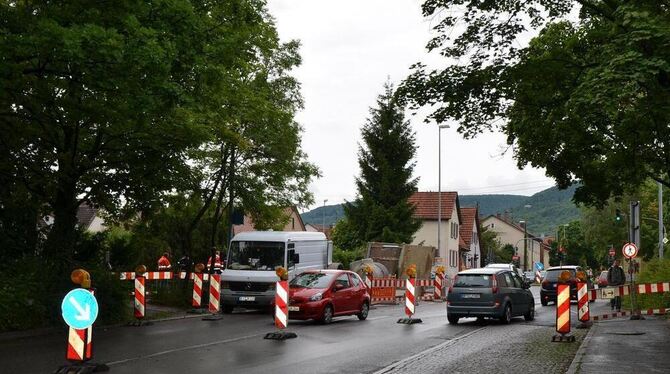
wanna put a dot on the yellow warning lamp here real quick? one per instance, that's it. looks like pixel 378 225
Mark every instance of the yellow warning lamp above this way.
pixel 282 273
pixel 367 269
pixel 199 267
pixel 141 269
pixel 564 277
pixel 81 277
pixel 440 270
pixel 411 271
pixel 581 276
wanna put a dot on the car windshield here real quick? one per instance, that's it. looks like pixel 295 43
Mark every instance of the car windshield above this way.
pixel 552 275
pixel 312 280
pixel 245 255
pixel 473 280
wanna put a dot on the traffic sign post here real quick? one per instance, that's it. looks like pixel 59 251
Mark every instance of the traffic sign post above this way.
pixel 80 310
pixel 630 251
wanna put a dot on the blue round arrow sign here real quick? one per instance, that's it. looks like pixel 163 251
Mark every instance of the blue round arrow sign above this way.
pixel 79 308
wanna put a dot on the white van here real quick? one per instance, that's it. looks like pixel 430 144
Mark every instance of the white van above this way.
pixel 249 277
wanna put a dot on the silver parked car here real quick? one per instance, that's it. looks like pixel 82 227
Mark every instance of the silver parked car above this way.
pixel 489 292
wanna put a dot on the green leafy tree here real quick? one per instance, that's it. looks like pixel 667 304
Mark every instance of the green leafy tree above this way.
pixel 489 243
pixel 381 211
pixel 589 100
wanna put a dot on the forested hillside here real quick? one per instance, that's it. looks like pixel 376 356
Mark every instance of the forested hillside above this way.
pixel 543 211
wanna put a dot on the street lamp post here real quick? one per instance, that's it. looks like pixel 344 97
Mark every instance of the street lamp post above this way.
pixel 323 216
pixel 439 187
pixel 525 246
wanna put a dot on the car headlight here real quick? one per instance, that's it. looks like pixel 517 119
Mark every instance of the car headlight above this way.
pixel 316 297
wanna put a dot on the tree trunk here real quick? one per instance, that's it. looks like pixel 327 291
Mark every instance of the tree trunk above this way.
pixel 61 240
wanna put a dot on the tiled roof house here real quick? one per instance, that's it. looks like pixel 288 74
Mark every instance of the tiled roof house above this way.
pixel 426 209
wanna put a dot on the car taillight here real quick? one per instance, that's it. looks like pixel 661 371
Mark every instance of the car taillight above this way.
pixel 545 284
pixel 494 285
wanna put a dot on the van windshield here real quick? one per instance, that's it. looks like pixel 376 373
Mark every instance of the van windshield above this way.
pixel 245 255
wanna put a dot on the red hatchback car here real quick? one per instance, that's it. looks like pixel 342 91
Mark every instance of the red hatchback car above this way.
pixel 324 294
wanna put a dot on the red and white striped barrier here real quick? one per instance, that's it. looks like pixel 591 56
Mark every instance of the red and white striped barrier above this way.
pixel 646 312
pixel 368 281
pixel 563 309
pixel 214 293
pixel 281 304
pixel 139 297
pixel 79 344
pixel 437 286
pixel 653 287
pixel 538 276
pixel 410 297
pixel 616 291
pixel 582 302
pixel 197 290
pixel 157 275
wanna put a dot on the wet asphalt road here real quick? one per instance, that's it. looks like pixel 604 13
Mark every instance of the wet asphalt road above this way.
pixel 235 343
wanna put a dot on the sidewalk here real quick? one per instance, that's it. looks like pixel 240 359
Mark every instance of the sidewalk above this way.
pixel 625 346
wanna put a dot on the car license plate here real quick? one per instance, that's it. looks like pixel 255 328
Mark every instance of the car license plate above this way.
pixel 293 308
pixel 470 296
pixel 247 298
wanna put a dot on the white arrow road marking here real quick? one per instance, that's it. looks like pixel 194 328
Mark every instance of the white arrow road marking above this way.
pixel 84 314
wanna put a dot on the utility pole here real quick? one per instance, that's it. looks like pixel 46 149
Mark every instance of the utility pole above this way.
pixel 661 227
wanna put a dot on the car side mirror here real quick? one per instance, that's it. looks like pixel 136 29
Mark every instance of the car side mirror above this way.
pixel 338 287
pixel 295 258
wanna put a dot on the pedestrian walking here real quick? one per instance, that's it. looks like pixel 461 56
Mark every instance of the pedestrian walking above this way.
pixel 616 277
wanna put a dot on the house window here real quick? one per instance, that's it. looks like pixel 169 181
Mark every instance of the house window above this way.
pixel 453 259
pixel 454 230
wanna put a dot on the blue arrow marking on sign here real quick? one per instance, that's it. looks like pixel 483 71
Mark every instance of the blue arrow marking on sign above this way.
pixel 79 308
pixel 539 266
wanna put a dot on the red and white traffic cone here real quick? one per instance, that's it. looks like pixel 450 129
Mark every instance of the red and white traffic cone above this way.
pixel 563 314
pixel 214 298
pixel 583 305
pixel 281 308
pixel 281 305
pixel 139 297
pixel 197 290
pixel 79 345
pixel 410 302
pixel 437 286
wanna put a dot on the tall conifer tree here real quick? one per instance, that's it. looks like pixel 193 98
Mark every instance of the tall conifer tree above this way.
pixel 381 211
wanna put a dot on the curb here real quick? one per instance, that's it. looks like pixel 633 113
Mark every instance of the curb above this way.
pixel 45 331
pixel 577 360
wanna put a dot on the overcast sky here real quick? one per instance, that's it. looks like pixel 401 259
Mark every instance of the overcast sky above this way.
pixel 349 49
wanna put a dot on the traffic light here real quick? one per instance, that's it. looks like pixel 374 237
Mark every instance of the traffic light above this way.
pixel 618 215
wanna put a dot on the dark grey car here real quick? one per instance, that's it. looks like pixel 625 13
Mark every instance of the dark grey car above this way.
pixel 489 293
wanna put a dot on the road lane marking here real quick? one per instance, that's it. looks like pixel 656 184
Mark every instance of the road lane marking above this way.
pixel 428 351
pixel 119 362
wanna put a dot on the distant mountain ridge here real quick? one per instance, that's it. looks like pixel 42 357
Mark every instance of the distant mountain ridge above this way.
pixel 544 211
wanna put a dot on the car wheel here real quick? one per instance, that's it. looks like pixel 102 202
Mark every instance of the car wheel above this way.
pixel 543 302
pixel 365 309
pixel 452 319
pixel 327 316
pixel 506 317
pixel 227 309
pixel 530 315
